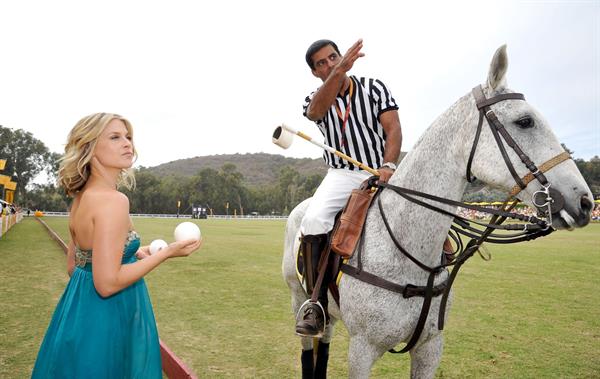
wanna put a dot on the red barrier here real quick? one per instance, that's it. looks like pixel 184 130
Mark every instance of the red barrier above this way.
pixel 172 366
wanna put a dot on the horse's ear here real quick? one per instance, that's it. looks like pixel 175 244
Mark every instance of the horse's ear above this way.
pixel 497 75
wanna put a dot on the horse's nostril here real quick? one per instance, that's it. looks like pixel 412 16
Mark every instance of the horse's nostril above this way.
pixel 586 204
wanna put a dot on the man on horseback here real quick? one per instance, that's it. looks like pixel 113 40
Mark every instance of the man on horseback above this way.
pixel 359 117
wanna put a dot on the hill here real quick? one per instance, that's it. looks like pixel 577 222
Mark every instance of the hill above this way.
pixel 261 169
pixel 258 168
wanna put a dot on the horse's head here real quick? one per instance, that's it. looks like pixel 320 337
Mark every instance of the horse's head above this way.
pixel 534 137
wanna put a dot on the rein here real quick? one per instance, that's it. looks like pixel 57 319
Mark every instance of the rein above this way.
pixel 547 200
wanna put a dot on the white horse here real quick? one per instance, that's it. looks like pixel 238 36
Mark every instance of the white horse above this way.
pixel 377 319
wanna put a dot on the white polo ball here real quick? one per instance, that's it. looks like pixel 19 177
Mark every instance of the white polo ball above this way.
pixel 187 231
pixel 157 245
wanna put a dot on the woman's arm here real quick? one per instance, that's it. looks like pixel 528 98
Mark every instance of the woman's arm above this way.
pixel 111 225
pixel 71 257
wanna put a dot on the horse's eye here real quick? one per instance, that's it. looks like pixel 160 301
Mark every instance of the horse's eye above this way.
pixel 525 122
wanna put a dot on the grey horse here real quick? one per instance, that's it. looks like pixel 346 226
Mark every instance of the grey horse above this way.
pixel 377 319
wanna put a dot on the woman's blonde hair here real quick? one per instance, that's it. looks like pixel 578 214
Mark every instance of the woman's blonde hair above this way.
pixel 75 167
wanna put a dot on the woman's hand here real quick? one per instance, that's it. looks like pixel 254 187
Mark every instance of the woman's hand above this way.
pixel 183 248
pixel 143 252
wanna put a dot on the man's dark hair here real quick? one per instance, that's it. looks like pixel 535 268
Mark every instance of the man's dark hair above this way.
pixel 316 46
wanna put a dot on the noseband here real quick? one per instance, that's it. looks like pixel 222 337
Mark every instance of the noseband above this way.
pixel 547 200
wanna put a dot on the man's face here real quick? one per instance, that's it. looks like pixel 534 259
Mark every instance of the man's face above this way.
pixel 324 61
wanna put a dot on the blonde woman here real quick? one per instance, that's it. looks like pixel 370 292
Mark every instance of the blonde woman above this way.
pixel 103 326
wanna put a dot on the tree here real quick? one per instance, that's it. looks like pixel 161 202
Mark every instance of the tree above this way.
pixel 47 197
pixel 590 171
pixel 26 157
pixel 292 188
pixel 236 193
pixel 204 189
pixel 147 196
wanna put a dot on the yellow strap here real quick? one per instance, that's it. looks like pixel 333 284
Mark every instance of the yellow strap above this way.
pixel 340 273
pixel 546 166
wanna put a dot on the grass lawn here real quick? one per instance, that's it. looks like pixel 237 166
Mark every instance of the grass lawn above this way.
pixel 531 312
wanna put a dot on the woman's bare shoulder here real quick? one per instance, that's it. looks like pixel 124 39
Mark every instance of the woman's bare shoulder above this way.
pixel 105 195
pixel 101 201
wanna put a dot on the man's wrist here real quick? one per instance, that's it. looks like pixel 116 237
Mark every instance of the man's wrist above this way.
pixel 390 165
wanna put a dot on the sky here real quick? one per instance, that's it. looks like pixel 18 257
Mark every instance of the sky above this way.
pixel 202 78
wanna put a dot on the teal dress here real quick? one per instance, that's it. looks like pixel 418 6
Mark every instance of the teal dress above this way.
pixel 94 337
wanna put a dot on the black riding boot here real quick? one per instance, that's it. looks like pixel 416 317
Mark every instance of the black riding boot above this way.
pixel 313 323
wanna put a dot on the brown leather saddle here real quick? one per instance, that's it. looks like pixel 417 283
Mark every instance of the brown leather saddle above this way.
pixel 344 237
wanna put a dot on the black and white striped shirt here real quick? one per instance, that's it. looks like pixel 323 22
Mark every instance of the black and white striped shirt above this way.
pixel 364 136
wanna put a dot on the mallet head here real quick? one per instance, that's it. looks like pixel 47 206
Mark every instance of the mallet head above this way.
pixel 282 137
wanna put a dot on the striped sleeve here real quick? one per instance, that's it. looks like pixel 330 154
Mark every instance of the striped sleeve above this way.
pixel 307 101
pixel 384 100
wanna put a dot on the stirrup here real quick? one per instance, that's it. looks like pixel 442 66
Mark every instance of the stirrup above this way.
pixel 306 303
pixel 300 313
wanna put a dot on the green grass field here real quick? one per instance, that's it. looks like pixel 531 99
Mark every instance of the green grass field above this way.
pixel 533 311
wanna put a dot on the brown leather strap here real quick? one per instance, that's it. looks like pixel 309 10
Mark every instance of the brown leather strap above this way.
pixel 544 167
pixel 407 291
pixel 307 273
pixel 483 102
pixel 323 261
pixel 333 285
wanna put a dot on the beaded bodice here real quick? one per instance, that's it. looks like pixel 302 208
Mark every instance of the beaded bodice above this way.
pixel 132 243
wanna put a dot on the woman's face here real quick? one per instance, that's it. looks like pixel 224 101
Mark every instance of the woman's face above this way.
pixel 114 148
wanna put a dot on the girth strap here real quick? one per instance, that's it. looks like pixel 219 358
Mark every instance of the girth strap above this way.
pixel 407 291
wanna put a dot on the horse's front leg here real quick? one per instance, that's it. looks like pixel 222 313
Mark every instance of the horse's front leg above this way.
pixel 361 357
pixel 426 357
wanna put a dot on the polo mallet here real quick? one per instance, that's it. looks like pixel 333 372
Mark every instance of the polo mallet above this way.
pixel 284 135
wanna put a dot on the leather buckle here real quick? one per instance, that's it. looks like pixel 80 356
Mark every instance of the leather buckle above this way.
pixel 409 291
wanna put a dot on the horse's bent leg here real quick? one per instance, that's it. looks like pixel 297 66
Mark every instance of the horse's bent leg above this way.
pixel 323 351
pixel 425 358
pixel 361 357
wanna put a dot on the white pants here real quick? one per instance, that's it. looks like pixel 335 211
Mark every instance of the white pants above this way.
pixel 329 199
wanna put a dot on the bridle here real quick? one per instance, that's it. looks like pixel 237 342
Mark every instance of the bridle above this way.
pixel 547 200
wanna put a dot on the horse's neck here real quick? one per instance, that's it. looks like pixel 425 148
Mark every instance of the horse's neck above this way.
pixel 436 166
